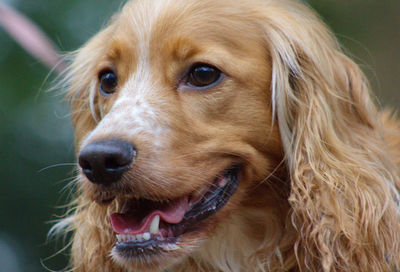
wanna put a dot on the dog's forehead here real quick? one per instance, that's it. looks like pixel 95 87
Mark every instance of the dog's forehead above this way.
pixel 158 23
pixel 156 38
pixel 162 36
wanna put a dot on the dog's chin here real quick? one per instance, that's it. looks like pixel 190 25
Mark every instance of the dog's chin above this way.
pixel 152 235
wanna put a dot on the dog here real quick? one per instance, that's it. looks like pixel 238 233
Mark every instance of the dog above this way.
pixel 228 135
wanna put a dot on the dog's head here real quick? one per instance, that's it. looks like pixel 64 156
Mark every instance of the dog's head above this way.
pixel 185 110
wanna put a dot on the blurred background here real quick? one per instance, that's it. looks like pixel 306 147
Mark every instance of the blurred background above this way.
pixel 36 135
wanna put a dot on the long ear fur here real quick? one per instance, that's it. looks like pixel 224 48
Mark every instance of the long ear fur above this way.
pixel 344 182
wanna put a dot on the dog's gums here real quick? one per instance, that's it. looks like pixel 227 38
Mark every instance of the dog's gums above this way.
pixel 146 227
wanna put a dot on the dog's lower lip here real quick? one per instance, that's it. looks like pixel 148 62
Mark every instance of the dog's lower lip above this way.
pixel 206 205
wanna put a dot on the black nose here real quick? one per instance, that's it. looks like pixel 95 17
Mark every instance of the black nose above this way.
pixel 104 162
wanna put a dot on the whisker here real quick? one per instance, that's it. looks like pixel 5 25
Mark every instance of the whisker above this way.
pixel 56 165
pixel 70 185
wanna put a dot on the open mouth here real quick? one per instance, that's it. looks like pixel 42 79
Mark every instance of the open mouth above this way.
pixel 146 227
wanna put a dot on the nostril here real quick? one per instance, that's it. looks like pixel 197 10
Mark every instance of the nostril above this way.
pixel 84 164
pixel 111 163
pixel 114 163
pixel 86 168
pixel 104 162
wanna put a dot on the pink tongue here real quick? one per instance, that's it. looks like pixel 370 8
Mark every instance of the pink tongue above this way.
pixel 128 224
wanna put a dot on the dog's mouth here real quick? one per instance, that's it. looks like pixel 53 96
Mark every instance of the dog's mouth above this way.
pixel 145 227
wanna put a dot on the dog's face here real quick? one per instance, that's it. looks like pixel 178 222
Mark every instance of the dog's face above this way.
pixel 185 130
pixel 176 107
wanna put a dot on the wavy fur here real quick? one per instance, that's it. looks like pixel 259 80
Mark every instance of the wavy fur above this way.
pixel 332 205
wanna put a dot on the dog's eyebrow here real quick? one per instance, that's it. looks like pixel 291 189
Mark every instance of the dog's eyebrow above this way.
pixel 183 49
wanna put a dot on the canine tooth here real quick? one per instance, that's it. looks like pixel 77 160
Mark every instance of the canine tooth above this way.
pixel 146 236
pixel 118 237
pixel 154 226
pixel 139 237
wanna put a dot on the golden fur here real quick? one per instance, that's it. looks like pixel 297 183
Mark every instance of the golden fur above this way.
pixel 320 184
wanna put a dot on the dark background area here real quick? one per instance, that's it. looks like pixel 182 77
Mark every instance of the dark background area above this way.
pixel 36 137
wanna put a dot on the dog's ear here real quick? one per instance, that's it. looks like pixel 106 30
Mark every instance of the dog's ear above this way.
pixel 343 182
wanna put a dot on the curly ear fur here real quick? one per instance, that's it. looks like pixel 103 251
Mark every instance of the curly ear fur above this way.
pixel 344 183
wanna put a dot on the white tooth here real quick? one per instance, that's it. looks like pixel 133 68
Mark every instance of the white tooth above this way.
pixel 139 237
pixel 146 236
pixel 154 226
pixel 119 238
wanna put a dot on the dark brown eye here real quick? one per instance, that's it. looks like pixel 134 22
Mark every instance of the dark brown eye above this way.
pixel 108 82
pixel 203 75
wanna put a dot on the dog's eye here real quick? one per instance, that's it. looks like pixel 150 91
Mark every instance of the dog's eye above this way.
pixel 203 75
pixel 108 82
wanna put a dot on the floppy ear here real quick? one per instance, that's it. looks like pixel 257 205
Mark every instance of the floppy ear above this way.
pixel 344 184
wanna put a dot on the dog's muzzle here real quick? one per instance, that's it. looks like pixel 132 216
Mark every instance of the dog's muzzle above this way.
pixel 148 227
